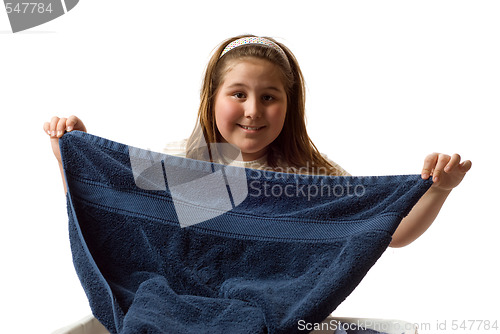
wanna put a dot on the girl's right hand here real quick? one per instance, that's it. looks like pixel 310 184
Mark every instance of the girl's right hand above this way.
pixel 56 129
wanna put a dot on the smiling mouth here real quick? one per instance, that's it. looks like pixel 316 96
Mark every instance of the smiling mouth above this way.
pixel 251 128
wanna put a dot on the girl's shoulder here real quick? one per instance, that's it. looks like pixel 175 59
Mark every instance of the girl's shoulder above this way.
pixel 176 148
pixel 340 171
pixel 305 170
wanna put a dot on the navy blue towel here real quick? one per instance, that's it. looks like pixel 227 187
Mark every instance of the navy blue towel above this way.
pixel 164 244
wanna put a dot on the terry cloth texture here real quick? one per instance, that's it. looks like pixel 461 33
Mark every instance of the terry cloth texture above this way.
pixel 159 255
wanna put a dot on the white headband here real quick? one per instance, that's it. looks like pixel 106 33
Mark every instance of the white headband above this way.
pixel 254 40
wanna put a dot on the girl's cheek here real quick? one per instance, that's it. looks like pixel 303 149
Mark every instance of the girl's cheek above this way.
pixel 229 111
pixel 278 115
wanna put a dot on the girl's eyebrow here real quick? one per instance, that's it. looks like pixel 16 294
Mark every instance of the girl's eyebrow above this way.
pixel 237 85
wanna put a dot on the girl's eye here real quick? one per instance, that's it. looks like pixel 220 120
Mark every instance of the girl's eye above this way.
pixel 267 98
pixel 239 95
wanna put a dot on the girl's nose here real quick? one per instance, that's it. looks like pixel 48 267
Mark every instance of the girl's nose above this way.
pixel 253 109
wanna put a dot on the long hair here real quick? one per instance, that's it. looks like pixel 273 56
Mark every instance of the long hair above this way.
pixel 293 145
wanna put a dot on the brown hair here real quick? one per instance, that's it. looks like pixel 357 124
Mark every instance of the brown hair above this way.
pixel 293 145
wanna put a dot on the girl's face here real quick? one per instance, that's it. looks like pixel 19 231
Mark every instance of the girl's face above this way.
pixel 250 106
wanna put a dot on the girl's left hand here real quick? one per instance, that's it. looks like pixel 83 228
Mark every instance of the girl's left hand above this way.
pixel 447 172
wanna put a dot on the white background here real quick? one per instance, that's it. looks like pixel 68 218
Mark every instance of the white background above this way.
pixel 388 82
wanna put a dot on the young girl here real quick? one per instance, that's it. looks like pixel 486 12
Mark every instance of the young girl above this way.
pixel 253 98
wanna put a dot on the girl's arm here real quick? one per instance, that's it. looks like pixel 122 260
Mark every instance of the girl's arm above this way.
pixel 55 129
pixel 447 173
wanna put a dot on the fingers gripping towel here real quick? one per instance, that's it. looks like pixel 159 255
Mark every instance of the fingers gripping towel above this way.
pixel 164 244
